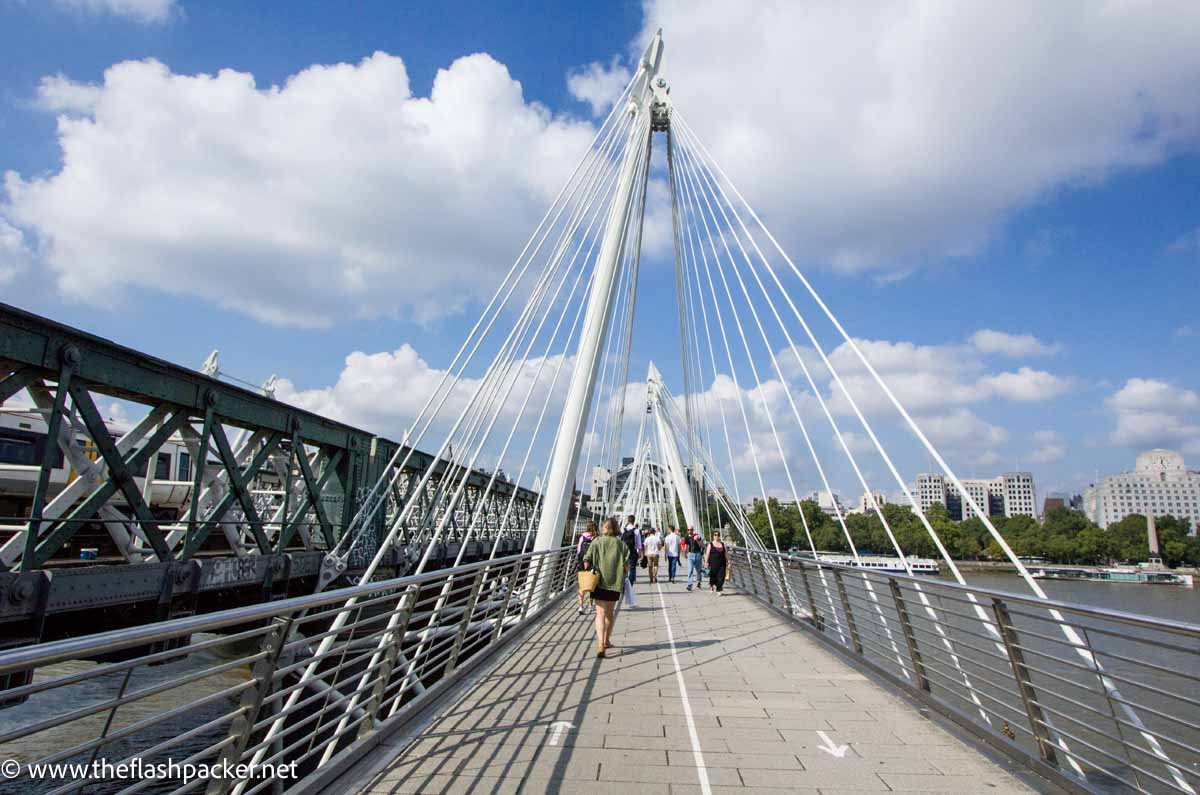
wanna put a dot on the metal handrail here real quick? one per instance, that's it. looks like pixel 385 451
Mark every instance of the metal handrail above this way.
pixel 345 682
pixel 1165 624
pixel 104 642
pixel 968 653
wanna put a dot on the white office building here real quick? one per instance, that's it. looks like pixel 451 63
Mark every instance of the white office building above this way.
pixel 1010 494
pixel 1017 490
pixel 931 488
pixel 601 477
pixel 864 502
pixel 829 502
pixel 987 494
pixel 1160 484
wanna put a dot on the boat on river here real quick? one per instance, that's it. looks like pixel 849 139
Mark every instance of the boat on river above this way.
pixel 883 563
pixel 1142 573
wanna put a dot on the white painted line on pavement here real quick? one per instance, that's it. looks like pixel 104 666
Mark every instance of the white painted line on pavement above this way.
pixel 701 770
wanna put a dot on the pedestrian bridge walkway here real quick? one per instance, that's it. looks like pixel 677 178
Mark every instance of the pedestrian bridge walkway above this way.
pixel 700 693
pixel 483 678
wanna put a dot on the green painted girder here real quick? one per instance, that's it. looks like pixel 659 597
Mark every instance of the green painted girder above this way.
pixel 62 530
pixel 239 483
pixel 313 487
pixel 236 493
pixel 14 383
pixel 28 340
pixel 34 347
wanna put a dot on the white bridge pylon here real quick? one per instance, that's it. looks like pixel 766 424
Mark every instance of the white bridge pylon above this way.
pixel 655 393
pixel 538 389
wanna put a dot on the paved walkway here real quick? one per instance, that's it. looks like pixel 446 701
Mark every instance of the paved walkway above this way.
pixel 758 691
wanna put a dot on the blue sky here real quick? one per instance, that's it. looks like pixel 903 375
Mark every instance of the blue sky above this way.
pixel 1056 205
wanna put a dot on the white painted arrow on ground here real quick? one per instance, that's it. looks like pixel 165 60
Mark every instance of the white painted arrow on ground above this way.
pixel 557 728
pixel 833 750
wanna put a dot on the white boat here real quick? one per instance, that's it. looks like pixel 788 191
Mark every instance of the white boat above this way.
pixel 882 563
pixel 1142 573
pixel 1152 572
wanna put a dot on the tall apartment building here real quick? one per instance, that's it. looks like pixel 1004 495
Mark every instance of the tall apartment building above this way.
pixel 1160 484
pixel 1020 498
pixel 1010 494
pixel 931 488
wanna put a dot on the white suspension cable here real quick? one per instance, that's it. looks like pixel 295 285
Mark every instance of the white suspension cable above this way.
pixel 955 660
pixel 1069 631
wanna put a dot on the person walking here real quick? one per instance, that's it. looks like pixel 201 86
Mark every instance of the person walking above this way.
pixel 695 552
pixel 715 561
pixel 730 553
pixel 585 541
pixel 651 546
pixel 609 558
pixel 632 537
pixel 671 546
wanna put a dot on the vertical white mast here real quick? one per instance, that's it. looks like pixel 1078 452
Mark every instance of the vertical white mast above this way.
pixel 666 443
pixel 556 494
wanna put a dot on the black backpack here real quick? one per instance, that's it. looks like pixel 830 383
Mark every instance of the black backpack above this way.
pixel 629 538
pixel 584 543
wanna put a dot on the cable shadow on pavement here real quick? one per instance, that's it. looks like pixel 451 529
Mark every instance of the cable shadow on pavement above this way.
pixel 499 733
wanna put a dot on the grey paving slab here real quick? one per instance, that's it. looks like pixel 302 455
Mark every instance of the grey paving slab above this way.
pixel 851 778
pixel 758 691
pixel 781 760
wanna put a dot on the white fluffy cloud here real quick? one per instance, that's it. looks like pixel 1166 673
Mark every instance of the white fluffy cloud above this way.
pixel 930 377
pixel 888 134
pixel 960 428
pixel 936 383
pixel 384 392
pixel 138 10
pixel 337 194
pixel 60 94
pixel 1048 447
pixel 15 255
pixel 599 85
pixel 939 384
pixel 1026 384
pixel 1153 413
pixel 1149 394
pixel 990 341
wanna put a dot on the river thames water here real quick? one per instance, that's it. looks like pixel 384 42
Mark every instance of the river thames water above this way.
pixel 1161 601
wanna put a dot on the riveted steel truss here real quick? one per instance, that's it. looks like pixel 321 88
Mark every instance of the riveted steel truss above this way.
pixel 267 491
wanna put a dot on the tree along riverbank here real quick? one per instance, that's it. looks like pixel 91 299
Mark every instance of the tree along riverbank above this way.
pixel 1066 536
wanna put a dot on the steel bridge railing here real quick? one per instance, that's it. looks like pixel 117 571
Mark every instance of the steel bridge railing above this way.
pixel 207 690
pixel 1119 711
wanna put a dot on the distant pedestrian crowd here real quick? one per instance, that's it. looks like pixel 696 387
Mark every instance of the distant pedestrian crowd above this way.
pixel 610 557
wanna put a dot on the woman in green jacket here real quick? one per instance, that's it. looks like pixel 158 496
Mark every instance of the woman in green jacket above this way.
pixel 609 558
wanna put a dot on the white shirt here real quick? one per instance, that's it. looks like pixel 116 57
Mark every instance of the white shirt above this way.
pixel 653 543
pixel 672 545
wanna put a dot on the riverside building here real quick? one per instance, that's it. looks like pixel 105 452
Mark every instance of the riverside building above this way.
pixel 1010 494
pixel 1160 485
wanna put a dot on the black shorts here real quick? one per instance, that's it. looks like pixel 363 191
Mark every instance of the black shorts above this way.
pixel 605 595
